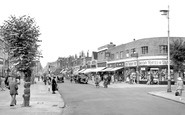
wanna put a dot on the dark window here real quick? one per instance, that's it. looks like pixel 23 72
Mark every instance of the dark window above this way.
pixel 144 49
pixel 133 50
pixel 163 49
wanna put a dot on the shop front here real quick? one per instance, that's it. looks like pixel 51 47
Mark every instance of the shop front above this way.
pixel 130 70
pixel 155 68
pixel 116 71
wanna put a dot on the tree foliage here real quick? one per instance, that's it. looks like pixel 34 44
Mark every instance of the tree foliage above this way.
pixel 21 35
pixel 177 54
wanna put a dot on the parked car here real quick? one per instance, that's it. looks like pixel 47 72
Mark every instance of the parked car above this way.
pixel 83 78
pixel 60 79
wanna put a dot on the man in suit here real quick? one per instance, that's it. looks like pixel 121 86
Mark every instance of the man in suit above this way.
pixel 13 90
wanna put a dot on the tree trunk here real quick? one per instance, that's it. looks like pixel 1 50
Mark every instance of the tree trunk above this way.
pixel 27 84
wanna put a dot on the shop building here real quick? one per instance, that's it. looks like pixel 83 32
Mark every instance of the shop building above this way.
pixel 102 58
pixel 143 56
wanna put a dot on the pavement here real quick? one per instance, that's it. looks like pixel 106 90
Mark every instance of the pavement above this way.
pixel 162 94
pixel 41 101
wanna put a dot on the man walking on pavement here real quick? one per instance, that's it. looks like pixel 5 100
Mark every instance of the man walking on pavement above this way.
pixel 13 90
pixel 54 85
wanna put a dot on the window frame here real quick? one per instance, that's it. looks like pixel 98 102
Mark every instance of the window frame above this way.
pixel 144 49
pixel 163 49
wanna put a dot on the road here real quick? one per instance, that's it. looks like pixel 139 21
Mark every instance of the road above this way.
pixel 85 99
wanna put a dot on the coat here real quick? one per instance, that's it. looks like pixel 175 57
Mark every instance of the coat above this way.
pixel 54 85
pixel 180 85
pixel 13 88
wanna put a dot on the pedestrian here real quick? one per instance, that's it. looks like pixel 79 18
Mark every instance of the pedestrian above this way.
pixel 2 84
pixel 49 83
pixel 105 83
pixel 54 85
pixel 131 78
pixel 45 79
pixel 180 86
pixel 97 80
pixel 13 90
pixel 112 78
pixel 152 79
pixel 71 78
pixel 109 79
pixel 148 79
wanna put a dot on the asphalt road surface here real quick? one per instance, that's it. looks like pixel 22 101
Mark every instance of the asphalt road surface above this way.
pixel 85 99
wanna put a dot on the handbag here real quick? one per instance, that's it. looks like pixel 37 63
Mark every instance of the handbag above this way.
pixel 176 93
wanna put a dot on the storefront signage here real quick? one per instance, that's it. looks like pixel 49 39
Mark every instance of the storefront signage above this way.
pixel 153 62
pixel 121 64
pixel 131 63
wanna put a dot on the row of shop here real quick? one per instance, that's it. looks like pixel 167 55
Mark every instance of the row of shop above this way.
pixel 143 68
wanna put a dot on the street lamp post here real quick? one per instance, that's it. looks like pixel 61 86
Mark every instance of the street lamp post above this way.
pixel 166 12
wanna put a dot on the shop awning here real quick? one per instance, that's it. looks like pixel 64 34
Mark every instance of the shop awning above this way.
pixel 89 70
pixel 81 71
pixel 154 68
pixel 75 72
pixel 116 68
pixel 98 69
pixel 106 70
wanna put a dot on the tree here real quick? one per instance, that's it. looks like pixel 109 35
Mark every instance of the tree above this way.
pixel 21 34
pixel 177 54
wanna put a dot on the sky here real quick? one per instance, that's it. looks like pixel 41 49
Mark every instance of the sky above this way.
pixel 68 27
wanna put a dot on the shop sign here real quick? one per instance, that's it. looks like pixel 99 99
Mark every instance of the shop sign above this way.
pixel 153 62
pixel 131 63
pixel 120 64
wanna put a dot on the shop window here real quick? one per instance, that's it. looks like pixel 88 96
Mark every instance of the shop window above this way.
pixel 144 49
pixel 163 49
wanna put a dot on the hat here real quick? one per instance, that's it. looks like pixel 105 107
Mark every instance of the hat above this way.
pixel 179 78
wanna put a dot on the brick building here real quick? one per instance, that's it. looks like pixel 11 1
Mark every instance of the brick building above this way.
pixel 144 55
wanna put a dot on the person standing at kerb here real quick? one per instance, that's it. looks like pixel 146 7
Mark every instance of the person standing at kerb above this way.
pixel 180 86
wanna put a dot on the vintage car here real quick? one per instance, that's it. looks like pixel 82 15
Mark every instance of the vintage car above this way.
pixel 80 78
pixel 60 79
